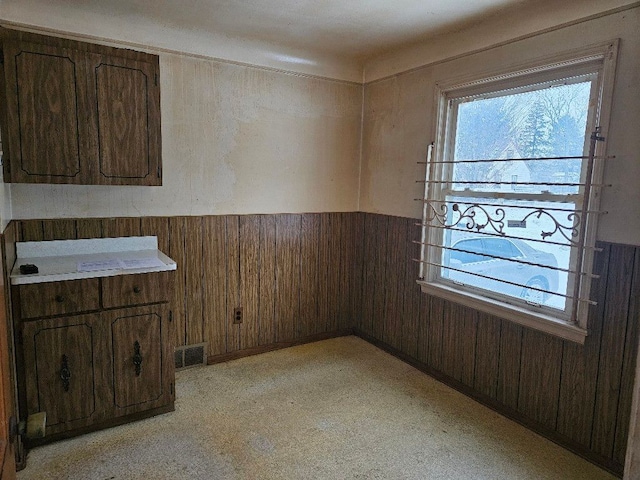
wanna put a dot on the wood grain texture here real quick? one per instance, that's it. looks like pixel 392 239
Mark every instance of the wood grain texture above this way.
pixel 612 349
pixel 628 365
pixel 357 242
pixel 540 377
pixel 412 294
pixel 193 241
pixel 395 267
pixel 233 280
pixel 347 256
pixel 59 229
pixel 45 106
pixel 177 253
pixel 371 245
pixel 121 227
pixel 510 364
pixel 90 228
pixel 157 227
pixel 287 276
pixel 136 289
pixel 58 298
pixel 267 272
pixel 309 276
pixel 487 355
pixel 580 363
pixel 249 280
pixel 215 283
pixel 31 231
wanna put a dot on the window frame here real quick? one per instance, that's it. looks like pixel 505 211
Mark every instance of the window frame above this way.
pixel 600 59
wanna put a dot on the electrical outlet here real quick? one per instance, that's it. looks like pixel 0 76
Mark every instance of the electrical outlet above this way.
pixel 237 315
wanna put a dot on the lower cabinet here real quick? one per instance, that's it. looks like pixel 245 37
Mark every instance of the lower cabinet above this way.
pixel 141 359
pixel 65 369
pixel 88 370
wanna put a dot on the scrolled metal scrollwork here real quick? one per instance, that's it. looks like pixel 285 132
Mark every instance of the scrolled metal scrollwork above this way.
pixel 471 217
pixel 569 232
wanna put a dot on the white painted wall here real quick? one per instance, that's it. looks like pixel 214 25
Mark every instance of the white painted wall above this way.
pixel 235 139
pixel 399 121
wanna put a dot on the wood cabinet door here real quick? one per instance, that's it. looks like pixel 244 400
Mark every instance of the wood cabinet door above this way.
pixel 64 370
pixel 142 360
pixel 46 114
pixel 127 103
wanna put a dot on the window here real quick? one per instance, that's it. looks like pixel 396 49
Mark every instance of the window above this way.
pixel 512 191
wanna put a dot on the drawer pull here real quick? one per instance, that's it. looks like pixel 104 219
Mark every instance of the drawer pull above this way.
pixel 136 289
pixel 65 373
pixel 60 298
pixel 137 358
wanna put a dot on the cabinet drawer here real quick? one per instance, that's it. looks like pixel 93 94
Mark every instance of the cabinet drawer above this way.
pixel 59 298
pixel 124 290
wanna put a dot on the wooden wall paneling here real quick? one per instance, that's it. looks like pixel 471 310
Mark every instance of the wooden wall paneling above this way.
pixel 433 343
pixel 31 231
pixel 193 240
pixel 121 227
pixel 347 253
pixel 59 229
pixel 90 228
pixel 324 259
pixel 616 311
pixel 332 226
pixel 628 365
pixel 381 234
pixel 509 364
pixel 233 281
pixel 485 377
pixel 267 272
pixel 309 270
pixel 249 280
pixel 177 253
pixel 412 293
pixel 355 294
pixel 287 276
pixel 459 342
pixel 214 293
pixel 580 363
pixel 368 273
pixel 158 227
pixel 395 268
pixel 539 386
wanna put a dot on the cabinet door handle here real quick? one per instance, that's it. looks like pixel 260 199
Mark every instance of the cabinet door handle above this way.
pixel 136 289
pixel 137 358
pixel 65 373
pixel 60 298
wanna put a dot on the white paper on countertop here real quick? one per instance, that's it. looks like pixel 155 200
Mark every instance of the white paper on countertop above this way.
pixel 97 265
pixel 120 264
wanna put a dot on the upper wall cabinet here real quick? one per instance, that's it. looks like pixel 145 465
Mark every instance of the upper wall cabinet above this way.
pixel 79 113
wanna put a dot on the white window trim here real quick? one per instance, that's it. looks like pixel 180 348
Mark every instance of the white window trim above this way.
pixel 604 54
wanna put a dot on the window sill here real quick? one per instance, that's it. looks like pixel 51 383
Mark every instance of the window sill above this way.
pixel 537 321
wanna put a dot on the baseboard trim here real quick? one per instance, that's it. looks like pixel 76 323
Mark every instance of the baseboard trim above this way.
pixel 565 442
pixel 247 352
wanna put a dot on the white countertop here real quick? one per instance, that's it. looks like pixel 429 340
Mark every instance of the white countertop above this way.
pixel 60 260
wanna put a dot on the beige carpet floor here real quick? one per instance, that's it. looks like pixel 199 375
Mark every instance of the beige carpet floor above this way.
pixel 337 409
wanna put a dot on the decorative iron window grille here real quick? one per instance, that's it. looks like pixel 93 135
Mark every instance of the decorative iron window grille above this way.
pixel 510 235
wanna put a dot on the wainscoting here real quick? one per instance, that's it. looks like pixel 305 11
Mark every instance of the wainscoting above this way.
pixel 300 277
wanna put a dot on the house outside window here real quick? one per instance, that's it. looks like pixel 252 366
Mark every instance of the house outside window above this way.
pixel 512 190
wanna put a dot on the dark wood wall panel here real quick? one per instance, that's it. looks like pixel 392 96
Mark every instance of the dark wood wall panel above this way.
pixel 214 286
pixel 309 276
pixel 578 395
pixel 267 272
pixel 300 275
pixel 249 233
